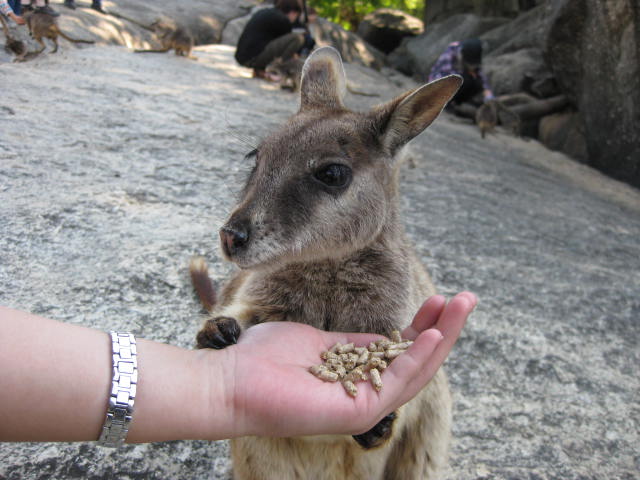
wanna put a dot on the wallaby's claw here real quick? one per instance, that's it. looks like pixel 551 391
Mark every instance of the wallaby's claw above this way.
pixel 378 435
pixel 218 333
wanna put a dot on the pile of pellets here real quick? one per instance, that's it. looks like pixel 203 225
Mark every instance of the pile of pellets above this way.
pixel 350 364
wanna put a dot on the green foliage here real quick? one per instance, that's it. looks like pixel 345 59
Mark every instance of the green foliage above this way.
pixel 349 13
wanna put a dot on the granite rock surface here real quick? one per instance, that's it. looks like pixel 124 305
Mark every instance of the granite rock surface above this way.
pixel 115 168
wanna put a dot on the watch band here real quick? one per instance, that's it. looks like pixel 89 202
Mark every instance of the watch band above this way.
pixel 123 390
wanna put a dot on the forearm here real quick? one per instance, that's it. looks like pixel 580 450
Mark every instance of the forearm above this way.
pixel 5 9
pixel 180 395
pixel 56 378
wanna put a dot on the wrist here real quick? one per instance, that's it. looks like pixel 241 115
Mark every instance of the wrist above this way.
pixel 217 419
pixel 174 395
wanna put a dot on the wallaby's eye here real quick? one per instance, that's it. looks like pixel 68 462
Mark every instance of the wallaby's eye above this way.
pixel 252 154
pixel 334 175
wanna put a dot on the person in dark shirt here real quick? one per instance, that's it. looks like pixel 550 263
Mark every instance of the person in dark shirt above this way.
pixel 268 35
pixel 310 16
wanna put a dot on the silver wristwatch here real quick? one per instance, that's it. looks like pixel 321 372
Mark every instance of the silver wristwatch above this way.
pixel 123 390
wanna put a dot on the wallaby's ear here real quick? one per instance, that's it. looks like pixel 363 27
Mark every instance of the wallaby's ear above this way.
pixel 402 120
pixel 323 82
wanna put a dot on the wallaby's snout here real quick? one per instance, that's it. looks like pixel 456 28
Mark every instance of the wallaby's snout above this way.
pixel 234 236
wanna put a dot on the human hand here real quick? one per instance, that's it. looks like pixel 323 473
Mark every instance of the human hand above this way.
pixel 271 391
pixel 488 95
pixel 16 18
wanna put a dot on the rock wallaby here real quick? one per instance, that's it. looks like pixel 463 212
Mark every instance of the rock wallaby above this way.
pixel 290 73
pixel 13 45
pixel 492 112
pixel 42 25
pixel 171 37
pixel 487 117
pixel 319 239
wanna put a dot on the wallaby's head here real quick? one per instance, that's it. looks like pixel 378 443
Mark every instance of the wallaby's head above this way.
pixel 275 69
pixel 324 184
pixel 285 67
pixel 13 45
pixel 162 27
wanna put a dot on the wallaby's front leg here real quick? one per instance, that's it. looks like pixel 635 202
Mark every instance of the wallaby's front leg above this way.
pixel 378 435
pixel 218 333
pixel 42 44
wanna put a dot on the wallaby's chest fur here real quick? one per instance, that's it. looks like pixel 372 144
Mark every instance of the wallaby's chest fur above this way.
pixel 358 293
pixel 319 240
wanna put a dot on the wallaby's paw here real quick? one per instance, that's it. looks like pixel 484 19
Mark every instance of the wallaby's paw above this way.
pixel 218 333
pixel 378 435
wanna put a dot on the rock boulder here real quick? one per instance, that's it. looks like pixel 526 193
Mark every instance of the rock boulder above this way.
pixel 386 27
pixel 438 10
pixel 415 56
pixel 564 132
pixel 592 47
pixel 351 46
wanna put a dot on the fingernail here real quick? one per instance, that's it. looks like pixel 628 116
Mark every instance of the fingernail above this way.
pixel 440 336
pixel 473 299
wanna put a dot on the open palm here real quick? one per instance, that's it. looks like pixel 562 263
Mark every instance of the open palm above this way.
pixel 274 394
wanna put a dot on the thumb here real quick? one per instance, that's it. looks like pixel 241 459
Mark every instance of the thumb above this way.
pixel 408 373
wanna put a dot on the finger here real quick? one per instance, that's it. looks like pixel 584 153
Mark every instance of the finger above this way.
pixel 426 317
pixel 406 375
pixel 423 359
pixel 450 324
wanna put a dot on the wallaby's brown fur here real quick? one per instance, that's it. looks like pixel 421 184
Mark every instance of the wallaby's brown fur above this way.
pixel 42 25
pixel 13 45
pixel 290 73
pixel 319 239
pixel 171 37
pixel 202 283
pixel 487 117
pixel 494 112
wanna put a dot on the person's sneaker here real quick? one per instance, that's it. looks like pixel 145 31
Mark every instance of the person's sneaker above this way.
pixel 97 7
pixel 70 4
pixel 48 10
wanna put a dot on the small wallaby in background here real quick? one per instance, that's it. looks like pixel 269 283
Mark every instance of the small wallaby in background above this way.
pixel 13 45
pixel 42 25
pixel 494 112
pixel 172 37
pixel 319 239
pixel 487 117
pixel 290 72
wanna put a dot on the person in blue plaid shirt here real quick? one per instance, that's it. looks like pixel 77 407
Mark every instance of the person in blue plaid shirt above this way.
pixel 465 59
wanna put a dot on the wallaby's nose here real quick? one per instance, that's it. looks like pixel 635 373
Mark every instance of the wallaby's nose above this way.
pixel 234 237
